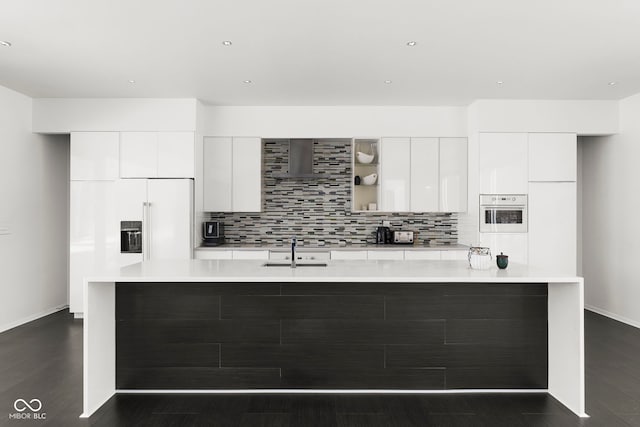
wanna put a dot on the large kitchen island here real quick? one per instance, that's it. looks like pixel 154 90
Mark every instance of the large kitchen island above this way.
pixel 368 326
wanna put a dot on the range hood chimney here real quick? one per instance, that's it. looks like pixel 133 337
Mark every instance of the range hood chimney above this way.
pixel 300 160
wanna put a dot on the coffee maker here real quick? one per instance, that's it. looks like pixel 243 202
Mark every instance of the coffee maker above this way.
pixel 384 235
pixel 212 233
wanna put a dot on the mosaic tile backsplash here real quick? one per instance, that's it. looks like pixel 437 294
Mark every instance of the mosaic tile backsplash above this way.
pixel 318 211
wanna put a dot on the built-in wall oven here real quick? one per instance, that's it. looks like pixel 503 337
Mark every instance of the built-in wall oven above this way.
pixel 503 213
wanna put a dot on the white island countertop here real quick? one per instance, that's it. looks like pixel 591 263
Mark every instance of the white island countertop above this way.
pixel 335 271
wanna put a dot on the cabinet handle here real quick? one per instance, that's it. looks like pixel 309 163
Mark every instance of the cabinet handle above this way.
pixel 149 229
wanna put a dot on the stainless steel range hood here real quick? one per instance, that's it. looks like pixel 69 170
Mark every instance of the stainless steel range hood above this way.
pixel 300 160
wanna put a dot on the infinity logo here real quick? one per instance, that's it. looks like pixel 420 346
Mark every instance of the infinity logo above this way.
pixel 21 405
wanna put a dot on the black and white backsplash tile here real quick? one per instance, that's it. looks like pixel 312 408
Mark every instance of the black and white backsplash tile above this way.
pixel 318 211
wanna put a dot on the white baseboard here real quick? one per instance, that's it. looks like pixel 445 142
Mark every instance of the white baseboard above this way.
pixel 31 318
pixel 613 316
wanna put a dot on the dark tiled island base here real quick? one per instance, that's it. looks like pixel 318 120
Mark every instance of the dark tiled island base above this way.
pixel 331 336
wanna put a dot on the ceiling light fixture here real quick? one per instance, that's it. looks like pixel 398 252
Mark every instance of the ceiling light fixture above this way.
pixel 5 43
pixel 388 82
pixel 412 43
pixel 227 43
pixel 132 81
pixel 500 82
pixel 612 83
pixel 246 81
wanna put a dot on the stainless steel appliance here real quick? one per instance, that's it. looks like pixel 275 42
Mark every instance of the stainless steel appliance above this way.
pixel 403 237
pixel 503 213
pixel 212 233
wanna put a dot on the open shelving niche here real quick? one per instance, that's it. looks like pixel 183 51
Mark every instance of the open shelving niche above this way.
pixel 363 195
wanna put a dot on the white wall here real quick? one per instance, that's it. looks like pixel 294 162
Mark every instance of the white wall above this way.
pixel 583 117
pixel 335 122
pixel 34 200
pixel 57 115
pixel 611 227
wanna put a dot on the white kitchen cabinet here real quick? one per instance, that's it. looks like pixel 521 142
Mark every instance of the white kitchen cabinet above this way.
pixel 349 255
pixel 503 163
pixel 176 155
pixel 453 167
pixel 94 235
pixel 553 157
pixel 260 255
pixel 385 255
pixel 217 174
pixel 138 155
pixel 395 175
pixel 213 255
pixel 247 175
pixel 454 255
pixel 553 226
pixel 157 155
pixel 424 160
pixel 300 256
pixel 232 174
pixel 94 156
pixel 422 255
pixel 513 244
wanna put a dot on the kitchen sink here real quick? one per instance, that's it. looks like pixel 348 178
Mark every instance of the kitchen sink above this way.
pixel 298 264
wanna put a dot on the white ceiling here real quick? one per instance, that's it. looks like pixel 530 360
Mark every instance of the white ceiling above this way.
pixel 322 52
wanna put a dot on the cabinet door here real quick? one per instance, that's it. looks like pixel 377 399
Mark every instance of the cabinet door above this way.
pixel 503 163
pixel 553 226
pixel 453 174
pixel 553 156
pixel 385 255
pixel 349 255
pixel 217 174
pixel 94 235
pixel 421 255
pixel 424 174
pixel 138 155
pixel 512 244
pixel 176 155
pixel 247 175
pixel 395 174
pixel 455 255
pixel 94 156
pixel 263 255
pixel 169 218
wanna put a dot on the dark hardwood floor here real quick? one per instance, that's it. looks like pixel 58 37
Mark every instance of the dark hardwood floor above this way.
pixel 43 360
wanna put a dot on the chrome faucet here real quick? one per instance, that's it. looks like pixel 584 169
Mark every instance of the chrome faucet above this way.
pixel 293 252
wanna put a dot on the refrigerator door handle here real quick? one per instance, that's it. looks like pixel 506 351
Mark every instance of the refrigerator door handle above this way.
pixel 149 230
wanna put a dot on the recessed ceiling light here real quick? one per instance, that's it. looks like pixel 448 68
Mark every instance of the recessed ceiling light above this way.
pixel 500 82
pixel 132 81
pixel 5 43
pixel 227 43
pixel 612 83
pixel 388 82
pixel 246 81
pixel 412 43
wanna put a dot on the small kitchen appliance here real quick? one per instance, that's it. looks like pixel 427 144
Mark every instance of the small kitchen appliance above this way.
pixel 503 213
pixel 383 235
pixel 403 237
pixel 212 233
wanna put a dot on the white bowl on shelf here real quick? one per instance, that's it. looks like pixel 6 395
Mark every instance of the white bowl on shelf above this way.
pixel 370 179
pixel 364 157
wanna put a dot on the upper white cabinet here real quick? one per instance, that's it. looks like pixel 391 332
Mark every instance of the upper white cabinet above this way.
pixel 395 174
pixel 217 184
pixel 157 155
pixel 553 157
pixel 176 155
pixel 247 175
pixel 503 163
pixel 232 174
pixel 453 175
pixel 94 156
pixel 424 174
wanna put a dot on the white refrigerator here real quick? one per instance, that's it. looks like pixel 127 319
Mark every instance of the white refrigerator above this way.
pixel 164 207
